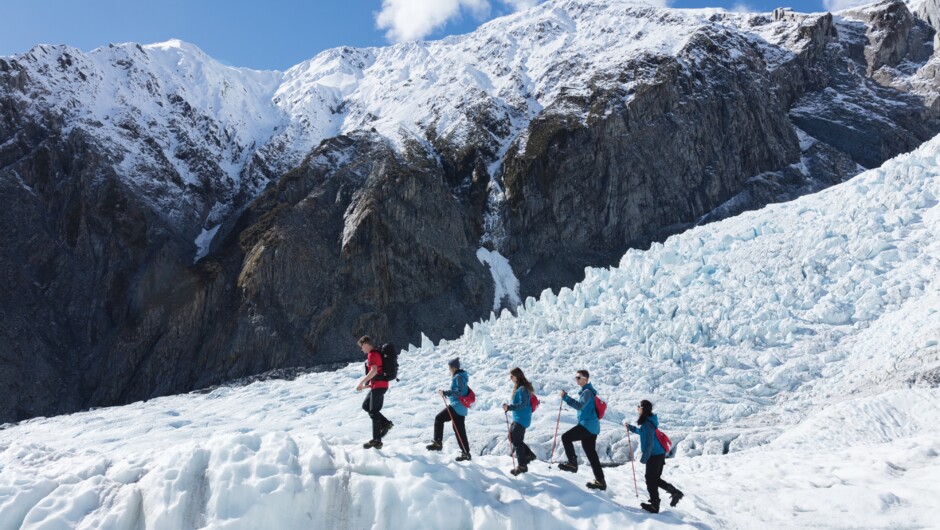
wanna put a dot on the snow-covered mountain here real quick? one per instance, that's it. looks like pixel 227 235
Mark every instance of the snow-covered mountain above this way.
pixel 170 108
pixel 792 353
pixel 173 222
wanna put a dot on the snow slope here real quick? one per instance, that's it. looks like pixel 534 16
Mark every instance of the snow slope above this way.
pixel 791 352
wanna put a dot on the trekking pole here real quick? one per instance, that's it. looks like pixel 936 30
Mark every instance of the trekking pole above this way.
pixel 555 438
pixel 630 447
pixel 509 435
pixel 454 424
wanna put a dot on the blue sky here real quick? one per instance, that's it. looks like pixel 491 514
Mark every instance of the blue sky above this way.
pixel 269 34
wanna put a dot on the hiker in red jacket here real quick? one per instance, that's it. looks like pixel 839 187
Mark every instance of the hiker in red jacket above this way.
pixel 377 389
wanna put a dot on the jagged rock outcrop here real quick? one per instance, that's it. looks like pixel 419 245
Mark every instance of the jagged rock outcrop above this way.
pixel 328 253
pixel 171 223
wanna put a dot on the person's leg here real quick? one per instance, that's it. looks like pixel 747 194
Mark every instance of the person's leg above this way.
pixel 439 420
pixel 672 490
pixel 376 400
pixel 381 417
pixel 589 443
pixel 367 406
pixel 654 472
pixel 530 455
pixel 461 427
pixel 523 452
pixel 567 440
pixel 516 436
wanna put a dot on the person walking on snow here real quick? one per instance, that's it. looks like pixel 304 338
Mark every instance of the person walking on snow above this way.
pixel 521 408
pixel 378 386
pixel 654 456
pixel 586 430
pixel 456 411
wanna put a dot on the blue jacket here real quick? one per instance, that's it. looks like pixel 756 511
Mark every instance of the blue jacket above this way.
pixel 521 407
pixel 459 386
pixel 649 445
pixel 587 413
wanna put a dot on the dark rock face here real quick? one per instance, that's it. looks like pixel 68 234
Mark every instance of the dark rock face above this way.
pixel 707 142
pixel 80 255
pixel 673 152
pixel 102 304
pixel 379 246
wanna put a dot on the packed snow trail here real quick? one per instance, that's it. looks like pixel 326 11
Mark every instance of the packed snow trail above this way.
pixel 801 340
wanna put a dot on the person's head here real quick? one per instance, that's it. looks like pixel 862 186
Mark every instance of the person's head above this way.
pixel 582 377
pixel 519 379
pixel 454 365
pixel 365 343
pixel 644 410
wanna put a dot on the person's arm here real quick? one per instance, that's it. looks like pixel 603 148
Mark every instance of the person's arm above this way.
pixel 573 403
pixel 518 403
pixel 581 401
pixel 632 429
pixel 373 370
pixel 453 383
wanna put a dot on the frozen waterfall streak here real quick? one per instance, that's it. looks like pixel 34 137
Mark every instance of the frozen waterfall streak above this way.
pixel 555 438
pixel 509 435
pixel 453 424
pixel 632 465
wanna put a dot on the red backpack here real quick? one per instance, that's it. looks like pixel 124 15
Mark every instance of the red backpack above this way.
pixel 533 402
pixel 664 440
pixel 600 406
pixel 467 400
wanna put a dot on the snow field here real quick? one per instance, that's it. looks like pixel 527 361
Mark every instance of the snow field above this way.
pixel 790 353
pixel 267 477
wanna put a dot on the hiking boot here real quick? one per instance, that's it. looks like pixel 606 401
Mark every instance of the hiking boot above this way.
pixel 385 428
pixel 434 446
pixel 675 498
pixel 651 506
pixel 463 457
pixel 377 444
pixel 530 459
pixel 520 470
pixel 569 467
pixel 596 485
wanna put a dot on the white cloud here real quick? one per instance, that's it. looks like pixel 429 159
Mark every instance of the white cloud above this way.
pixel 741 7
pixel 405 20
pixel 839 5
pixel 519 5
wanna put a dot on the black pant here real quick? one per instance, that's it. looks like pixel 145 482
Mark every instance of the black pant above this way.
pixel 372 405
pixel 459 426
pixel 654 478
pixel 517 435
pixel 588 441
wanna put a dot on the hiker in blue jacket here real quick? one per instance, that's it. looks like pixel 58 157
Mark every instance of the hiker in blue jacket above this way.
pixel 521 408
pixel 456 411
pixel 653 455
pixel 586 430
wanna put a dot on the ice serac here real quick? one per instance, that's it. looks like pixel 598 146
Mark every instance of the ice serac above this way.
pixel 174 222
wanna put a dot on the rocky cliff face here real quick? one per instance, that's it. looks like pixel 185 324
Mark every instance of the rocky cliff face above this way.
pixel 169 222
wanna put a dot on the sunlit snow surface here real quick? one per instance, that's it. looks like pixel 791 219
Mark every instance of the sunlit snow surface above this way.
pixel 801 340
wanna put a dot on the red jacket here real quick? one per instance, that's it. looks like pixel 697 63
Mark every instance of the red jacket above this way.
pixel 375 359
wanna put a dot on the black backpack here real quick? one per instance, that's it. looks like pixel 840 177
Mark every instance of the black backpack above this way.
pixel 389 362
